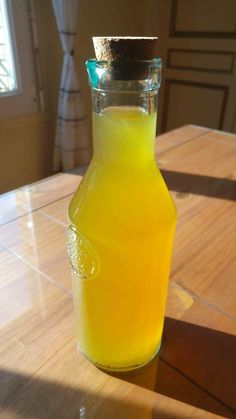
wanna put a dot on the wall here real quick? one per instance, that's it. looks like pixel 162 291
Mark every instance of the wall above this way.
pixel 26 141
pixel 26 150
pixel 50 55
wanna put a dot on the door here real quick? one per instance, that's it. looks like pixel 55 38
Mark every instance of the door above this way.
pixel 198 47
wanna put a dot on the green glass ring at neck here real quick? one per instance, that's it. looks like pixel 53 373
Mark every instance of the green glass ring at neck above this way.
pixel 139 76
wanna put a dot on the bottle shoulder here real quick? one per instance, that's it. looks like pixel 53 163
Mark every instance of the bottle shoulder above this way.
pixel 122 196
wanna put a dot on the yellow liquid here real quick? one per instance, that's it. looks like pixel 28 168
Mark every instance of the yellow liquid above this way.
pixel 120 242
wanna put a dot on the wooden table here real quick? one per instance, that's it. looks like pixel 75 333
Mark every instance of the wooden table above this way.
pixel 42 375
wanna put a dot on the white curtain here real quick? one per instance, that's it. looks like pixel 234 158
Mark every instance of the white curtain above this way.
pixel 71 140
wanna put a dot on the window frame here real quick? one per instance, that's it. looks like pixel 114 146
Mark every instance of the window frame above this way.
pixel 23 100
pixel 15 58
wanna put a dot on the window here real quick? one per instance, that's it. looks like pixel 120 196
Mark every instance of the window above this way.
pixel 18 92
pixel 8 78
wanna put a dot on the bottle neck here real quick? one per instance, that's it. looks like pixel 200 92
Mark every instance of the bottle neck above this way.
pixel 124 133
pixel 124 99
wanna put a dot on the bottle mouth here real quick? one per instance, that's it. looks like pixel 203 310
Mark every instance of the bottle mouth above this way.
pixel 143 75
pixel 155 60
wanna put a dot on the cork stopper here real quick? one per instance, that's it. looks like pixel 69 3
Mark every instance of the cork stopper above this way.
pixel 124 48
pixel 125 54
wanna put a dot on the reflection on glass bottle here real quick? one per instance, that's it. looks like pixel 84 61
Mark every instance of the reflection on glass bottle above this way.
pixel 122 225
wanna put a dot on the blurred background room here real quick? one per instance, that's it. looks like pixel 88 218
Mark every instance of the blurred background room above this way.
pixel 197 42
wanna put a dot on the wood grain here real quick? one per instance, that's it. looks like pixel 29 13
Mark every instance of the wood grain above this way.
pixel 177 137
pixel 49 190
pixel 11 208
pixel 41 243
pixel 201 172
pixel 58 210
pixel 42 375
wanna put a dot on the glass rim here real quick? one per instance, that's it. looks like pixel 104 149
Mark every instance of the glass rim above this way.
pixel 153 61
pixel 102 71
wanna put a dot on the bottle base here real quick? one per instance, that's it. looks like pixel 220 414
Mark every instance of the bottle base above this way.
pixel 120 369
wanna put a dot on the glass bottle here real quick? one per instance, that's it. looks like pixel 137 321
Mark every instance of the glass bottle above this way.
pixel 122 222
